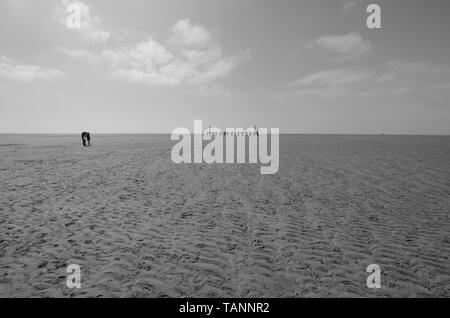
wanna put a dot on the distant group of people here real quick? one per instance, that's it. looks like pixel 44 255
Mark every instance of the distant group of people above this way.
pixel 86 138
pixel 233 132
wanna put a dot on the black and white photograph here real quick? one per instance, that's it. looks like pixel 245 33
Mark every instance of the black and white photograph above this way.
pixel 224 149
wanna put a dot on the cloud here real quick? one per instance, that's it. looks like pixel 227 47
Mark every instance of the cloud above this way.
pixel 80 54
pixel 90 29
pixel 188 34
pixel 335 77
pixel 412 67
pixel 393 79
pixel 349 5
pixel 323 92
pixel 330 83
pixel 420 79
pixel 212 91
pixel 404 71
pixel 191 56
pixel 347 47
pixel 17 3
pixel 25 73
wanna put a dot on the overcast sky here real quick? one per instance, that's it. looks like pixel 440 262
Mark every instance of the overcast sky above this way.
pixel 304 66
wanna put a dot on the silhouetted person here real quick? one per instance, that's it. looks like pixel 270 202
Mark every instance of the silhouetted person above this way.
pixel 85 136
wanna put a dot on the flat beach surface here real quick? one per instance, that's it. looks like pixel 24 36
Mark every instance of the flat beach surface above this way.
pixel 139 225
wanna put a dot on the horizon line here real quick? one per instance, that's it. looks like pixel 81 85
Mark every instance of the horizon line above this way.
pixel 284 133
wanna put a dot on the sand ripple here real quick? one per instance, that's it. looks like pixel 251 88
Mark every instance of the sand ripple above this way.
pixel 140 226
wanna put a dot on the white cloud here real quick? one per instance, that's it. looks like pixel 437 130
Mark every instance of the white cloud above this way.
pixel 387 77
pixel 25 73
pixel 412 67
pixel 393 79
pixel 335 77
pixel 330 83
pixel 191 56
pixel 419 79
pixel 17 3
pixel 212 91
pixel 188 34
pixel 397 70
pixel 90 23
pixel 348 47
pixel 349 5
pixel 80 54
pixel 323 92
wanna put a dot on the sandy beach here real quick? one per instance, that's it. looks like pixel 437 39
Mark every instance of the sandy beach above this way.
pixel 141 226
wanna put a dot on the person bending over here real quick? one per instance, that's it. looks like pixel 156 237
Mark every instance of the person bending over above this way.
pixel 86 137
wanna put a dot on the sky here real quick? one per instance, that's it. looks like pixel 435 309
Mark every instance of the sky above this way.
pixel 303 66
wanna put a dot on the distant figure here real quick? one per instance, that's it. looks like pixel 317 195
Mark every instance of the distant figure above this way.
pixel 85 136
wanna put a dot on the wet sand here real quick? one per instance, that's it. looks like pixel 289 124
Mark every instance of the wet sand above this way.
pixel 141 226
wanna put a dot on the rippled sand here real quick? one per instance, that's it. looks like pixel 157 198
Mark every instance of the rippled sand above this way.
pixel 139 225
